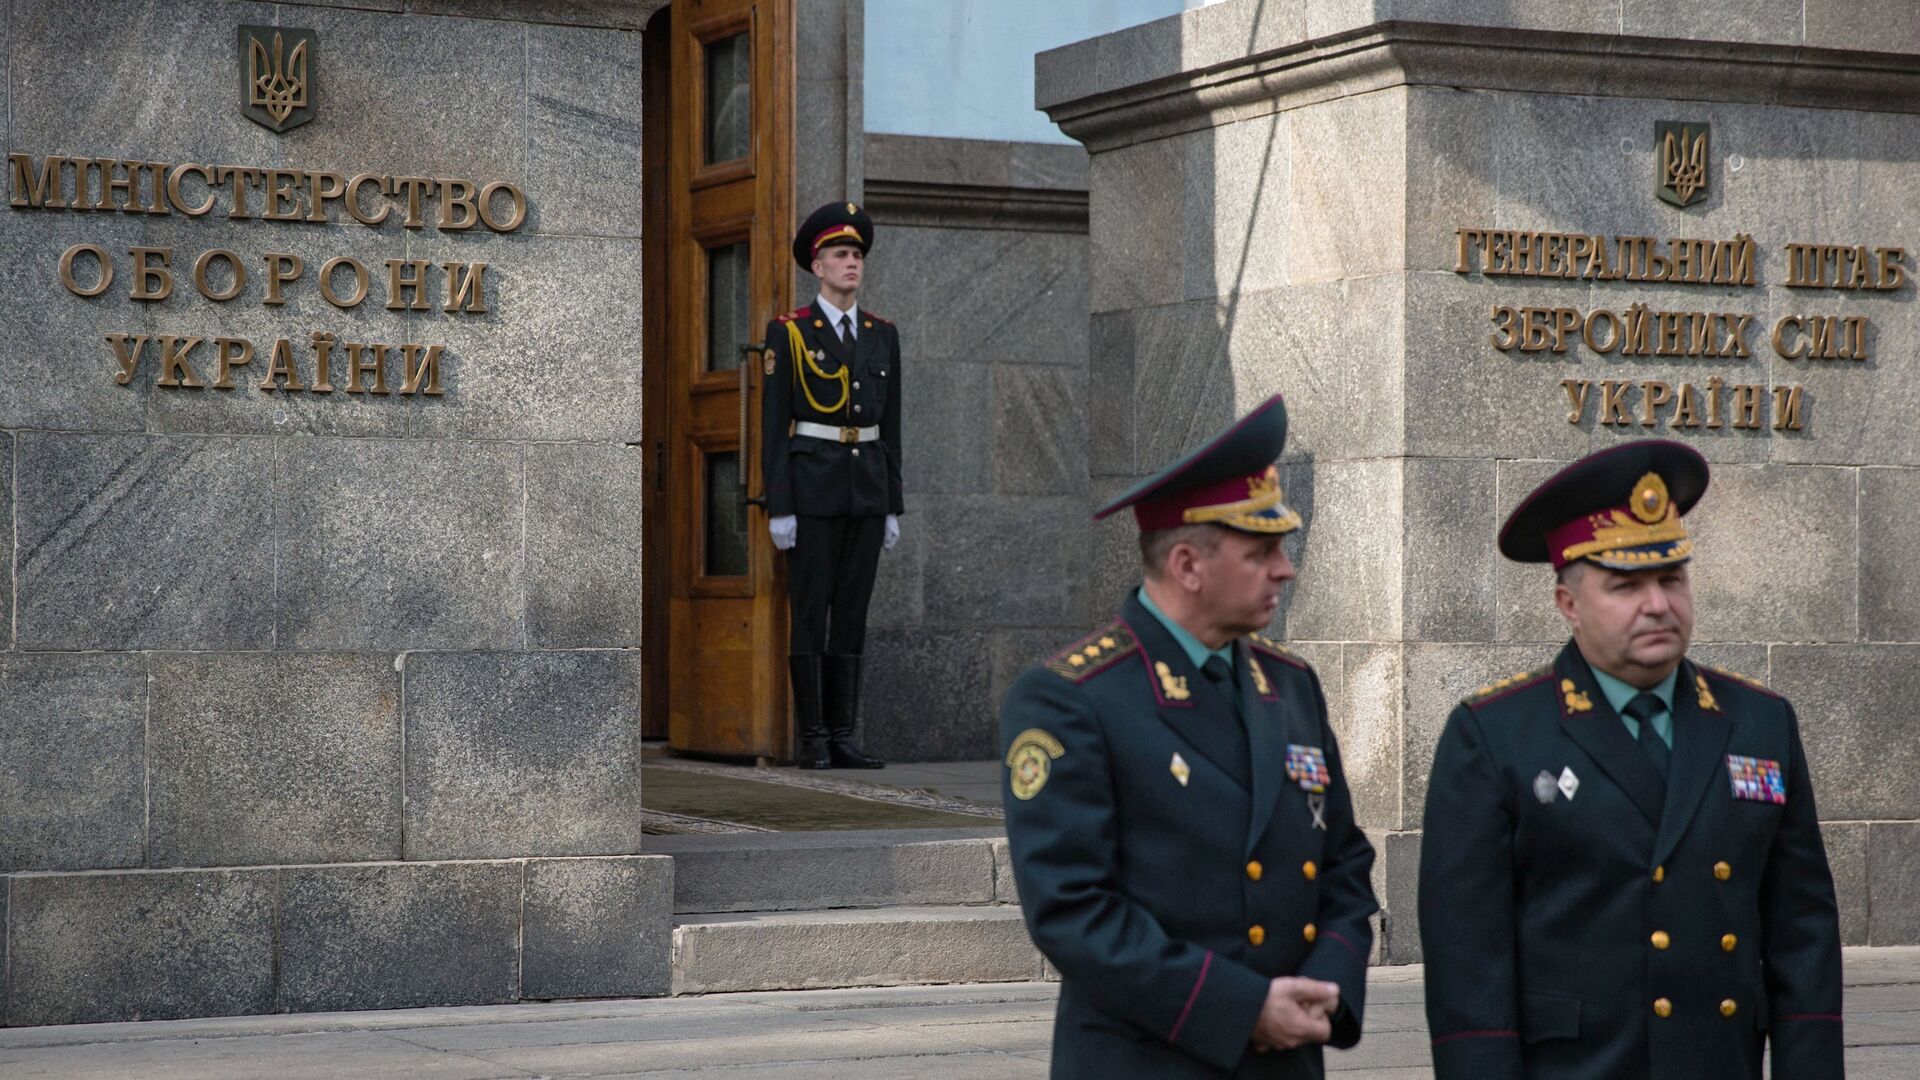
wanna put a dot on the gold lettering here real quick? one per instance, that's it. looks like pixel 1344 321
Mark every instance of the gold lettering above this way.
pixel 129 357
pixel 142 273
pixel 43 188
pixel 1746 406
pixel 238 272
pixel 353 201
pixel 322 188
pixel 174 358
pixel 1613 331
pixel 322 359
pixel 1799 349
pixel 326 283
pixel 242 179
pixel 1566 321
pixel 1639 331
pixel 1505 321
pixel 422 362
pixel 398 283
pixel 280 365
pixel 356 367
pixel 128 188
pixel 230 353
pixel 1656 394
pixel 1714 383
pixel 1823 332
pixel 100 283
pixel 173 189
pixel 467 289
pixel 1786 408
pixel 282 267
pixel 457 195
pixel 1854 340
pixel 1466 238
pixel 1687 413
pixel 1576 398
pixel 1736 327
pixel 1613 402
pixel 283 195
pixel 1535 331
pixel 413 186
pixel 516 199
pixel 1893 273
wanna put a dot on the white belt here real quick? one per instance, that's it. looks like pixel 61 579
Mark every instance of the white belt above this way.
pixel 836 434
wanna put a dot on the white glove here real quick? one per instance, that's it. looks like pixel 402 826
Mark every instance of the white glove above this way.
pixel 784 529
pixel 893 532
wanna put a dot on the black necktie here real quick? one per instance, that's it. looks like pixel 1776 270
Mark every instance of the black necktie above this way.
pixel 1220 674
pixel 1642 708
pixel 846 329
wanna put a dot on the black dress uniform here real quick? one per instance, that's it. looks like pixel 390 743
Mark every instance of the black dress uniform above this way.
pixel 1176 844
pixel 1584 918
pixel 830 454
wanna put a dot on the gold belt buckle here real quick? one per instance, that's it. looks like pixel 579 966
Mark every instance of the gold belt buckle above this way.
pixel 849 434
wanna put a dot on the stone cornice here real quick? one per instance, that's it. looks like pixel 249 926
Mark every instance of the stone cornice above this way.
pixel 959 206
pixel 1489 58
pixel 976 184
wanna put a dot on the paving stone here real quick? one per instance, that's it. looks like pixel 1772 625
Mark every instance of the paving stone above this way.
pixel 875 947
pixel 72 753
pixel 86 948
pixel 258 758
pixel 751 873
pixel 399 935
pixel 520 754
pixel 598 927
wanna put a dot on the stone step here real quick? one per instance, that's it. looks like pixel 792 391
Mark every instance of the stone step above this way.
pixel 888 946
pixel 819 870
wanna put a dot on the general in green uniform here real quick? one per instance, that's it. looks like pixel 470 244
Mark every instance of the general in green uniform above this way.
pixel 1622 876
pixel 1180 825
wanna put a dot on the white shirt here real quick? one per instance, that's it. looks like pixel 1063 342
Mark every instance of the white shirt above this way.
pixel 834 314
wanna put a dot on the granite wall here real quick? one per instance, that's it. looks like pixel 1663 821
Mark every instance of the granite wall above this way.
pixel 981 259
pixel 1274 198
pixel 322 701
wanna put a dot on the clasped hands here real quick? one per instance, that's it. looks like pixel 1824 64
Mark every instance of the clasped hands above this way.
pixel 1297 1012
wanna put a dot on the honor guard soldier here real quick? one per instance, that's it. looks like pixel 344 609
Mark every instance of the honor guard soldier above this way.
pixel 1180 825
pixel 830 455
pixel 1623 876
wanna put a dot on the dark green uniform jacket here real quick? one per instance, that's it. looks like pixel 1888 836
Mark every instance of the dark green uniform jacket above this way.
pixel 1577 925
pixel 1168 865
pixel 824 477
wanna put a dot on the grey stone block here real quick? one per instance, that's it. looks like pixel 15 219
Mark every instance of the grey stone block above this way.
pixel 1530 14
pixel 1886 141
pixel 1183 380
pixel 273 758
pixel 1111 427
pixel 619 14
pixel 1237 203
pixel 583 130
pixel 899 585
pixel 1039 435
pixel 1014 651
pixel 925 696
pixel 1006 890
pixel 1136 233
pixel 1889 555
pixel 1893 882
pixel 1452 169
pixel 1002 560
pixel 583 546
pixel 1787 174
pixel 875 947
pixel 820 124
pixel 598 928
pixel 1284 341
pixel 6 528
pixel 1450 523
pixel 1398 854
pixel 87 948
pixel 91 574
pixel 1336 227
pixel 246 409
pixel 53 111
pixel 1852 412
pixel 1804 591
pixel 1112 554
pixel 1849 699
pixel 1364 698
pixel 1523 592
pixel 467 106
pixel 1764 21
pixel 946 430
pixel 1748 660
pixel 399 545
pixel 1839 24
pixel 1351 551
pixel 827 870
pixel 1438 677
pixel 512 754
pixel 981 294
pixel 72 753
pixel 1847 857
pixel 552 357
pixel 63 372
pixel 399 936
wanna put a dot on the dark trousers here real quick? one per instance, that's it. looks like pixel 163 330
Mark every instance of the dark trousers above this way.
pixel 829 582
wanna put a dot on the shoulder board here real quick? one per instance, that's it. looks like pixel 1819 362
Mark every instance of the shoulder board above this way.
pixel 865 314
pixel 797 313
pixel 1747 681
pixel 1280 652
pixel 1094 653
pixel 1502 687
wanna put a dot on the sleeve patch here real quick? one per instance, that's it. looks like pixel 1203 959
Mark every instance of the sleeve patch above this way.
pixel 1030 761
pixel 1093 653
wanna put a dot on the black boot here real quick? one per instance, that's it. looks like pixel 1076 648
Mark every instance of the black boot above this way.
pixel 843 706
pixel 808 722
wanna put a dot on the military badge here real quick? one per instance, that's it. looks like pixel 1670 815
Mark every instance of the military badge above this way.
pixel 1307 766
pixel 1031 761
pixel 1544 787
pixel 1180 769
pixel 1173 686
pixel 1569 783
pixel 1756 779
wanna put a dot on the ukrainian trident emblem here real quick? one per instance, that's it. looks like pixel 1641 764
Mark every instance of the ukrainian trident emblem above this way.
pixel 1683 161
pixel 276 76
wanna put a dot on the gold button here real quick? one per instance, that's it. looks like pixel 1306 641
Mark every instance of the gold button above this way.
pixel 1722 871
pixel 1659 874
pixel 1310 932
pixel 1254 870
pixel 1660 940
pixel 1309 871
pixel 1257 935
pixel 1728 942
pixel 1729 1007
pixel 1662 1008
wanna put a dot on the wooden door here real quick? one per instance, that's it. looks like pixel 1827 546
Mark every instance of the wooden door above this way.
pixel 728 202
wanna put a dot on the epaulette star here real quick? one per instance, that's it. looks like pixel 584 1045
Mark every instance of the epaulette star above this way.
pixel 1510 682
pixel 1094 653
pixel 1745 680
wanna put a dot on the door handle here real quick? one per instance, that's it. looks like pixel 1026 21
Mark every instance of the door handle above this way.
pixel 748 353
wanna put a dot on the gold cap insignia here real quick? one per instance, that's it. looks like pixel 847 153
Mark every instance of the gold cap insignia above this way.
pixel 1650 502
pixel 1031 761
